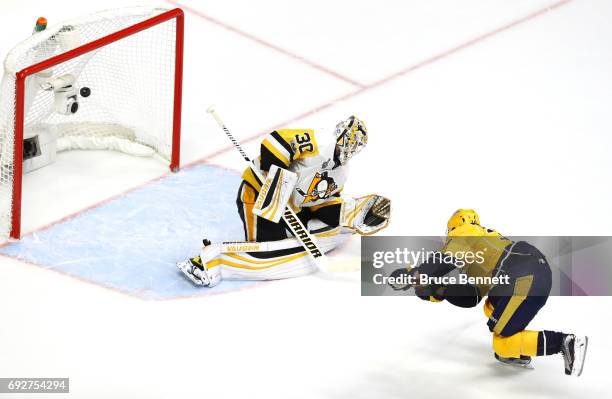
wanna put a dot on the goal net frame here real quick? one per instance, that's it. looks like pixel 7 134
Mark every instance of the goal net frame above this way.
pixel 20 92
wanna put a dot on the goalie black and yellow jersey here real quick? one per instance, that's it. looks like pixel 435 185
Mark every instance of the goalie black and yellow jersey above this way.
pixel 310 155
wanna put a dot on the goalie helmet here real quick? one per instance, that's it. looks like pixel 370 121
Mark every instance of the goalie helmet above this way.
pixel 351 137
pixel 461 217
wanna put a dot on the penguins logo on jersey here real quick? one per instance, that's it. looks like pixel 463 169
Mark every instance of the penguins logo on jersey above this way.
pixel 321 187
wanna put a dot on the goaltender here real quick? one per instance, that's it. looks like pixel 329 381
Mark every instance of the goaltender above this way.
pixel 510 305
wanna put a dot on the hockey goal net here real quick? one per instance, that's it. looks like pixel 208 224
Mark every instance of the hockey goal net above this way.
pixel 111 80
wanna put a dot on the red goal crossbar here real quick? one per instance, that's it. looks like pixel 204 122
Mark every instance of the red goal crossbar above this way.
pixel 177 14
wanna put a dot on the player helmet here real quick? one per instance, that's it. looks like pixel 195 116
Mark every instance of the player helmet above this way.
pixel 351 137
pixel 461 217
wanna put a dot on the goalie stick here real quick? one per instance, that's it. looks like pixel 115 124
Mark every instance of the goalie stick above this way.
pixel 295 224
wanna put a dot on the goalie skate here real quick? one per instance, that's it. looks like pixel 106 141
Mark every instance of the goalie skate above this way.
pixel 193 269
pixel 196 268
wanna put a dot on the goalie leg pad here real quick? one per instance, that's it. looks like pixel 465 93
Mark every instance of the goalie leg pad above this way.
pixel 256 261
pixel 277 260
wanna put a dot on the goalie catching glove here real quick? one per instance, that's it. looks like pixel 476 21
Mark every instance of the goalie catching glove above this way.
pixel 366 215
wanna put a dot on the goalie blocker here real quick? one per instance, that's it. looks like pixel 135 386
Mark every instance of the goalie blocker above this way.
pixel 275 193
pixel 284 258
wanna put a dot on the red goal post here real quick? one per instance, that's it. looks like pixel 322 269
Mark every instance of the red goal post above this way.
pixel 85 50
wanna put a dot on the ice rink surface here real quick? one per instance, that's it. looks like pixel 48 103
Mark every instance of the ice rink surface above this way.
pixel 501 106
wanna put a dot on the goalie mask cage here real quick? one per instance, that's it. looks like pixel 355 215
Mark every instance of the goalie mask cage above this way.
pixel 130 59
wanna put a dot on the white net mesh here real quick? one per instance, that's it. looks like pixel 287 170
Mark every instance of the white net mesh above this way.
pixel 130 108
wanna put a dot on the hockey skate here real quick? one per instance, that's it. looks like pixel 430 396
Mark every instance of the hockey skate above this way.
pixel 573 350
pixel 196 270
pixel 523 361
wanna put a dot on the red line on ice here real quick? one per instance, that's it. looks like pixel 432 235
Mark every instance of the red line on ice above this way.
pixel 400 73
pixel 264 43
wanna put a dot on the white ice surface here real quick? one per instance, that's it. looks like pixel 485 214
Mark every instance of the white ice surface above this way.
pixel 530 103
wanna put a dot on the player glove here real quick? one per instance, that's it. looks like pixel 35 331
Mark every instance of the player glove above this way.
pixel 399 281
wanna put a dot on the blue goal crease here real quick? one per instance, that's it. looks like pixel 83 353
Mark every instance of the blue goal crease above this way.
pixel 132 243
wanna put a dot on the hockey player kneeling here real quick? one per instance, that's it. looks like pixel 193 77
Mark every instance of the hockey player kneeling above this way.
pixel 524 285
pixel 305 170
